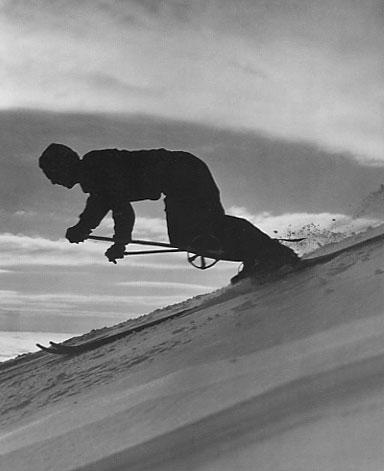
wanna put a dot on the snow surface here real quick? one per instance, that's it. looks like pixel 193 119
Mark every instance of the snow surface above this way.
pixel 287 375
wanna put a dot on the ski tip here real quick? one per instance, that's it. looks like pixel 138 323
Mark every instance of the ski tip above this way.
pixel 50 349
pixel 43 348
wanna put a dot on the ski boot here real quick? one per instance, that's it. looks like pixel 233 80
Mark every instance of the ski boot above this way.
pixel 259 268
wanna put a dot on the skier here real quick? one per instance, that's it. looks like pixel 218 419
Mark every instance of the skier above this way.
pixel 115 178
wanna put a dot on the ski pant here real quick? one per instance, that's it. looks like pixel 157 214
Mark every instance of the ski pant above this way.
pixel 192 201
pixel 194 212
pixel 191 223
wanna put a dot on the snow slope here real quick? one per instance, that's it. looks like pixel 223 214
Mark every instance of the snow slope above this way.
pixel 288 375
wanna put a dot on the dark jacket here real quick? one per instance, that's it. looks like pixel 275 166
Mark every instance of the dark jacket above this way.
pixel 115 178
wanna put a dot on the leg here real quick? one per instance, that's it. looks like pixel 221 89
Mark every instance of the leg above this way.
pixel 192 202
pixel 187 220
pixel 243 241
pixel 256 249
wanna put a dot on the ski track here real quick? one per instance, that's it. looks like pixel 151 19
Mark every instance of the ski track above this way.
pixel 234 384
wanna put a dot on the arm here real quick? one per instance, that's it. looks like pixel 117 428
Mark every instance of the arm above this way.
pixel 95 210
pixel 124 219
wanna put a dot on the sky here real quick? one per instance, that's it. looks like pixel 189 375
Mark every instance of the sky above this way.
pixel 282 99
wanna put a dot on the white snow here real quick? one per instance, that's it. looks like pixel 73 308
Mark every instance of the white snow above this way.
pixel 284 376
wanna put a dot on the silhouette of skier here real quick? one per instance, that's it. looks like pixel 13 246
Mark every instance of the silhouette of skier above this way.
pixel 115 178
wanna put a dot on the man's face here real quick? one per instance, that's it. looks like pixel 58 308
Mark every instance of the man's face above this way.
pixel 62 178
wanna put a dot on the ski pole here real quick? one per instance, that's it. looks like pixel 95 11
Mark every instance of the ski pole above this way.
pixel 135 241
pixel 165 244
pixel 147 252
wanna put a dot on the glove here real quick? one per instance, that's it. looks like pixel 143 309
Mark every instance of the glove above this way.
pixel 115 251
pixel 77 234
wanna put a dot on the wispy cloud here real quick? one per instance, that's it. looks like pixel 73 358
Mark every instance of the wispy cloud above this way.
pixel 318 229
pixel 304 73
pixel 288 222
pixel 20 250
pixel 81 305
pixel 114 85
pixel 13 298
pixel 145 228
pixel 166 285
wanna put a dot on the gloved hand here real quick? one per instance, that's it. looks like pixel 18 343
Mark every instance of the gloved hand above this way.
pixel 76 234
pixel 115 251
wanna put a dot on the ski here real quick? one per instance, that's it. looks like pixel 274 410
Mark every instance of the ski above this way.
pixel 63 349
pixel 47 349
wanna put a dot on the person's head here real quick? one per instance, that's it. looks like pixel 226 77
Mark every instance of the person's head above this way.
pixel 60 164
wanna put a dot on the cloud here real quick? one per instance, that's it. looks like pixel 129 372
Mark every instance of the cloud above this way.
pixel 289 222
pixel 318 229
pixel 20 250
pixel 167 285
pixel 298 72
pixel 12 298
pixel 111 84
pixel 80 305
pixel 152 228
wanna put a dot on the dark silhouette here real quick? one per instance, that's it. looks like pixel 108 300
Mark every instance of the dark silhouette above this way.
pixel 115 178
